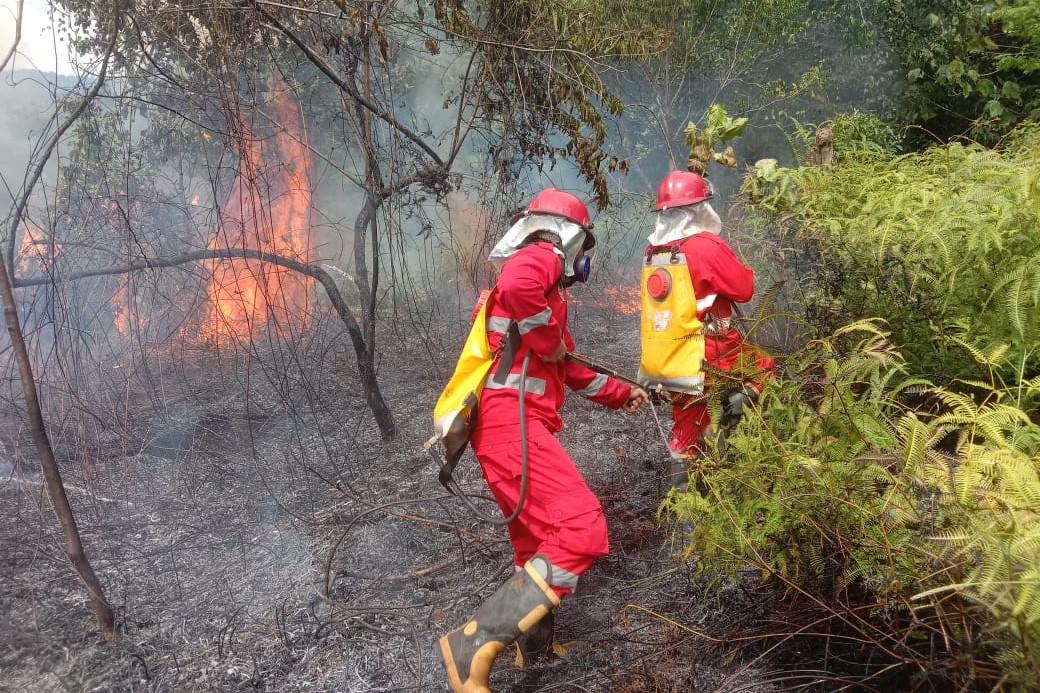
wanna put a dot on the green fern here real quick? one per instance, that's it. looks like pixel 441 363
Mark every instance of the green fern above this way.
pixel 836 483
pixel 950 229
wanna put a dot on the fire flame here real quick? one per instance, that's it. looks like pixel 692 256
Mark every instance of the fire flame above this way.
pixel 624 299
pixel 268 210
pixel 121 305
pixel 35 251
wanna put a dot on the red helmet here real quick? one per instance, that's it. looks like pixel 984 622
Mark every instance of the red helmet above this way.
pixel 562 204
pixel 680 188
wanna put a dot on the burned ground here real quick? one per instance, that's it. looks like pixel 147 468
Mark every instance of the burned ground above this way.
pixel 253 532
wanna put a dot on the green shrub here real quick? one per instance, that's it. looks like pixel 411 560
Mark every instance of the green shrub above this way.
pixel 940 244
pixel 918 530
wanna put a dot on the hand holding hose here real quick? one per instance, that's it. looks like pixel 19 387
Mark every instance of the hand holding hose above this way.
pixel 637 397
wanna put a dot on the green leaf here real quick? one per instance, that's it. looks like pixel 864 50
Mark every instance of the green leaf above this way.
pixel 1011 90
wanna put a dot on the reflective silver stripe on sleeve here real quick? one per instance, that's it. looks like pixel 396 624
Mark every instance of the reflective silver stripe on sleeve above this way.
pixel 706 302
pixel 537 320
pixel 594 387
pixel 498 324
pixel 535 386
pixel 560 577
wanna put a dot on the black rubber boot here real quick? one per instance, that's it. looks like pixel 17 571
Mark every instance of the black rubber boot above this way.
pixel 518 605
pixel 537 643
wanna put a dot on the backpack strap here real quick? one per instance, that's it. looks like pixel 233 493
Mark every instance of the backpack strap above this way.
pixel 673 249
pixel 511 342
pixel 507 353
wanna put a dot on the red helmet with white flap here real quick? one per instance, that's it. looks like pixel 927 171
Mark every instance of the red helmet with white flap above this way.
pixel 562 204
pixel 681 188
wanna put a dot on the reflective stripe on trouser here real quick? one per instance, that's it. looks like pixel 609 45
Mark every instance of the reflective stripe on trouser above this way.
pixel 561 519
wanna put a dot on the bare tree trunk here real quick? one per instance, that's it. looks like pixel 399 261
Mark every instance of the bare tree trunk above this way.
pixel 55 487
pixel 365 347
pixel 49 466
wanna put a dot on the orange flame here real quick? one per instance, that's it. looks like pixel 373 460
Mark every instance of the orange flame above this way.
pixel 35 251
pixel 268 211
pixel 623 299
pixel 121 304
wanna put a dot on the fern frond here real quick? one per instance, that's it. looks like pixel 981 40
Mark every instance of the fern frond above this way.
pixel 990 572
pixel 899 515
pixel 1020 294
pixel 956 538
pixel 975 384
pixel 911 386
pixel 1012 298
pixel 976 353
pixel 767 299
pixel 1027 604
pixel 961 407
pixel 870 326
pixel 1028 546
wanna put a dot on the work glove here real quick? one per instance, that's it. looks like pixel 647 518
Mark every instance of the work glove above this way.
pixel 733 405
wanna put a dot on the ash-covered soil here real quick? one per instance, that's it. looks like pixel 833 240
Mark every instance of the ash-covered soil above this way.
pixel 254 532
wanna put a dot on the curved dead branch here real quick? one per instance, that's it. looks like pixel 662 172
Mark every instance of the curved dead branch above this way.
pixel 367 375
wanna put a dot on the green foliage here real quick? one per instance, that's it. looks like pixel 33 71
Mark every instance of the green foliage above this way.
pixel 718 36
pixel 970 65
pixel 808 82
pixel 1021 19
pixel 939 244
pixel 852 133
pixel 768 485
pixel 720 129
pixel 841 484
pixel 894 482
pixel 539 74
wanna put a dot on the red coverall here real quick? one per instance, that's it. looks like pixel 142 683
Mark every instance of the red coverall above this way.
pixel 561 518
pixel 719 281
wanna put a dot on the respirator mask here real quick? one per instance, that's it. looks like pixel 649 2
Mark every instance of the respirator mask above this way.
pixel 577 257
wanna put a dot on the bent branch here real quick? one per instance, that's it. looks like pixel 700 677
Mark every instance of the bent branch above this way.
pixel 365 359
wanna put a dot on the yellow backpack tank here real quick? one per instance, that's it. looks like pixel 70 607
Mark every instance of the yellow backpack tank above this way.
pixel 670 333
pixel 455 414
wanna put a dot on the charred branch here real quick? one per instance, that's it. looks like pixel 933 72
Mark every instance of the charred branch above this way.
pixel 329 72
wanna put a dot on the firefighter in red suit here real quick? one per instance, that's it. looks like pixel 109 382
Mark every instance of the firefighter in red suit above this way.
pixel 560 530
pixel 686 222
